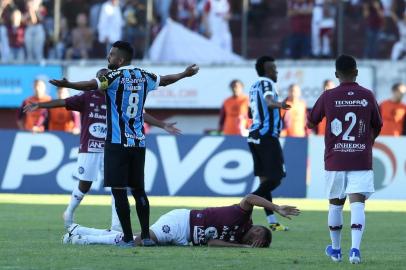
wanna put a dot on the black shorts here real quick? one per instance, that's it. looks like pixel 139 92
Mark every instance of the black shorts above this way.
pixel 268 157
pixel 124 166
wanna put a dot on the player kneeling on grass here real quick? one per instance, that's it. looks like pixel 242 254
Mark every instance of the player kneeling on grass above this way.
pixel 228 226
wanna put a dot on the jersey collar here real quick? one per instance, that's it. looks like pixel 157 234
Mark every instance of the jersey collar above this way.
pixel 266 79
pixel 126 67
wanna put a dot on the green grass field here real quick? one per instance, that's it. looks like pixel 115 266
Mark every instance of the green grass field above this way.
pixel 31 229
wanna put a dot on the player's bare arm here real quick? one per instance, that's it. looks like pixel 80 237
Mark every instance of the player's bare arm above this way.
pixel 252 200
pixel 82 85
pixel 168 127
pixel 271 103
pixel 44 105
pixel 172 78
pixel 221 243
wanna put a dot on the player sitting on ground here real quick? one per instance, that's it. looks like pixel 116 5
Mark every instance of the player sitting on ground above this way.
pixel 229 226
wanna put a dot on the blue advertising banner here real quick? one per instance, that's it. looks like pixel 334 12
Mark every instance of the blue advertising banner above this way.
pixel 16 82
pixel 188 165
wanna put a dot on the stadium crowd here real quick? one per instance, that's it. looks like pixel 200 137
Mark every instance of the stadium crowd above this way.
pixel 287 29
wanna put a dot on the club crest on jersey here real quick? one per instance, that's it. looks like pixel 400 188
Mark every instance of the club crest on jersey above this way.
pixel 166 229
pixel 81 170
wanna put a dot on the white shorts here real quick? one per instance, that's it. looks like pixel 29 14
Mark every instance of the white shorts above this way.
pixel 341 183
pixel 173 228
pixel 89 166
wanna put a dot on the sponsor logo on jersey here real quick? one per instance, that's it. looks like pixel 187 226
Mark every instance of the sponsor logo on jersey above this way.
pixel 95 146
pixel 199 236
pixel 97 116
pixel 135 137
pixel 349 147
pixel 132 80
pixel 98 130
pixel 351 103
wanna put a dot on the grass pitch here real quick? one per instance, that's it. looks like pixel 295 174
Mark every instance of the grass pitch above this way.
pixel 31 229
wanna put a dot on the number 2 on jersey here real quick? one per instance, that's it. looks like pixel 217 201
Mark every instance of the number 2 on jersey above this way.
pixel 132 108
pixel 353 118
pixel 336 126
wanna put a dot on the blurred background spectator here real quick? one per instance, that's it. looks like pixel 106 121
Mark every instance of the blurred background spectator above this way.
pixel 374 17
pixel 300 16
pixel 82 39
pixel 323 26
pixel 110 23
pixel 16 31
pixel 34 32
pixel 59 119
pixel 234 118
pixel 26 121
pixel 399 48
pixel 321 128
pixel 393 112
pixel 216 18
pixel 294 120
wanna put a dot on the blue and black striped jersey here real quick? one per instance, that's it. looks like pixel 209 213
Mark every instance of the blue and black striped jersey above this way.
pixel 266 121
pixel 126 91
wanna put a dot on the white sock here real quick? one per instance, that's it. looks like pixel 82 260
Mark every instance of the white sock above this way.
pixel 272 219
pixel 75 200
pixel 110 239
pixel 357 223
pixel 81 230
pixel 115 221
pixel 335 224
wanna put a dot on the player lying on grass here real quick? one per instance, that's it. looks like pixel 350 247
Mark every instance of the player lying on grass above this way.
pixel 229 226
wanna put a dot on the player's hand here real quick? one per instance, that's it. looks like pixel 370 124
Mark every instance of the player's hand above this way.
pixel 191 70
pixel 36 129
pixel 287 211
pixel 30 107
pixel 59 83
pixel 76 131
pixel 171 129
pixel 285 106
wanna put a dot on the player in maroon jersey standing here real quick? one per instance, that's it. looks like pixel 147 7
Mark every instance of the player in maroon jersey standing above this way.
pixel 353 123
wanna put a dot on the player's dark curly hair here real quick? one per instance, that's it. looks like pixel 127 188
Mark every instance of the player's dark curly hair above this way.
pixel 267 236
pixel 259 65
pixel 125 49
pixel 346 64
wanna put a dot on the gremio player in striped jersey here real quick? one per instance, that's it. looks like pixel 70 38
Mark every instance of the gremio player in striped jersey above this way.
pixel 126 89
pixel 263 138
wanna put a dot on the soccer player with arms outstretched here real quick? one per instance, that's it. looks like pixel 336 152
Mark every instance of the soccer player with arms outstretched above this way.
pixel 263 138
pixel 93 109
pixel 353 123
pixel 126 89
pixel 228 226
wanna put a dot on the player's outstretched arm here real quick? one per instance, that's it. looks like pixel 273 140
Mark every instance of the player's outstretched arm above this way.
pixel 271 103
pixel 44 105
pixel 172 78
pixel 168 127
pixel 83 85
pixel 251 200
